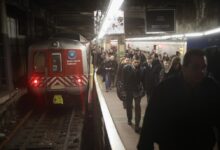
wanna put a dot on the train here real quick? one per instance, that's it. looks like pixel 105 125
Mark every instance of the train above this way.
pixel 58 69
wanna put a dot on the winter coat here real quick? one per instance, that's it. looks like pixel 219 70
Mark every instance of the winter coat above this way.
pixel 147 82
pixel 155 73
pixel 178 118
pixel 132 78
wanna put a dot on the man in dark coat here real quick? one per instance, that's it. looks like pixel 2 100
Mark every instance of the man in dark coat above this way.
pixel 147 77
pixel 154 73
pixel 132 84
pixel 183 110
pixel 120 80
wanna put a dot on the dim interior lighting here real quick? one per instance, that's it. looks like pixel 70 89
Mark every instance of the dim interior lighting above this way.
pixel 112 9
pixel 165 37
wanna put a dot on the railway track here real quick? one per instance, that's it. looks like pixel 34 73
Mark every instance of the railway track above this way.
pixel 57 129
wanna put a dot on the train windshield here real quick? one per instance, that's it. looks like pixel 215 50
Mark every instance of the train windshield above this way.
pixel 39 61
pixel 56 62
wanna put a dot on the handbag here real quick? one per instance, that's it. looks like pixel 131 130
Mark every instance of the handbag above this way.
pixel 120 90
pixel 140 92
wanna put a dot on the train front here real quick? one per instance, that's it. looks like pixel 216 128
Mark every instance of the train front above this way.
pixel 58 71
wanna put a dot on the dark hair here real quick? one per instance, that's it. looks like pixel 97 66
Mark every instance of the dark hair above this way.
pixel 190 53
pixel 126 55
pixel 136 57
pixel 155 55
pixel 177 53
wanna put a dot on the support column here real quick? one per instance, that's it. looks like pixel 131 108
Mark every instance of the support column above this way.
pixel 107 42
pixel 5 46
pixel 121 46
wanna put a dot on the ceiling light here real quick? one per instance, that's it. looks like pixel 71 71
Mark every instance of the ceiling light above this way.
pixel 165 37
pixel 112 9
pixel 177 36
pixel 194 34
pixel 213 31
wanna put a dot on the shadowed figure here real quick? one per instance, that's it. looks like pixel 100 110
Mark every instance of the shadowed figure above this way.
pixel 183 110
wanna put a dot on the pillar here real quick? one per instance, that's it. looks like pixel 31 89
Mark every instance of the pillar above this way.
pixel 121 46
pixel 6 47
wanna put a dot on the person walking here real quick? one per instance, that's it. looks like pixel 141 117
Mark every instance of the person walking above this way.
pixel 147 82
pixel 133 88
pixel 154 74
pixel 120 81
pixel 183 110
pixel 173 69
pixel 108 67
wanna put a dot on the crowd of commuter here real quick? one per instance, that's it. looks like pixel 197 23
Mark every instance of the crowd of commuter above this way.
pixel 183 103
pixel 135 74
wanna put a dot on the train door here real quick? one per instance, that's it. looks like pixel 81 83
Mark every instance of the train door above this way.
pixel 56 63
pixel 55 70
pixel 55 77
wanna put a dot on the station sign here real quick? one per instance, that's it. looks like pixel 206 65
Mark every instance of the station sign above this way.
pixel 160 21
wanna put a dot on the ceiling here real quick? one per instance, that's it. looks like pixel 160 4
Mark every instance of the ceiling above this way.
pixel 73 15
pixel 77 15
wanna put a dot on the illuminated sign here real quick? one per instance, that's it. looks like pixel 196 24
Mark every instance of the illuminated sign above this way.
pixel 71 55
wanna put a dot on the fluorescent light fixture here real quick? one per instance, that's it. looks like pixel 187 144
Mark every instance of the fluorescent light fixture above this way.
pixel 213 31
pixel 112 9
pixel 193 34
pixel 155 32
pixel 177 36
pixel 165 37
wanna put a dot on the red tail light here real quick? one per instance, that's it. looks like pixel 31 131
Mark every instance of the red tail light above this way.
pixel 79 80
pixel 34 82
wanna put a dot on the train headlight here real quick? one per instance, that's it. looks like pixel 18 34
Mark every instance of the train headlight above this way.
pixel 55 44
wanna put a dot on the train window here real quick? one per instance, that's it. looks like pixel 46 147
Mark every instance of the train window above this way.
pixel 56 62
pixel 39 61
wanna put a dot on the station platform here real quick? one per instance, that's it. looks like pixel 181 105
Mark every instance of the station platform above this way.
pixel 126 132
